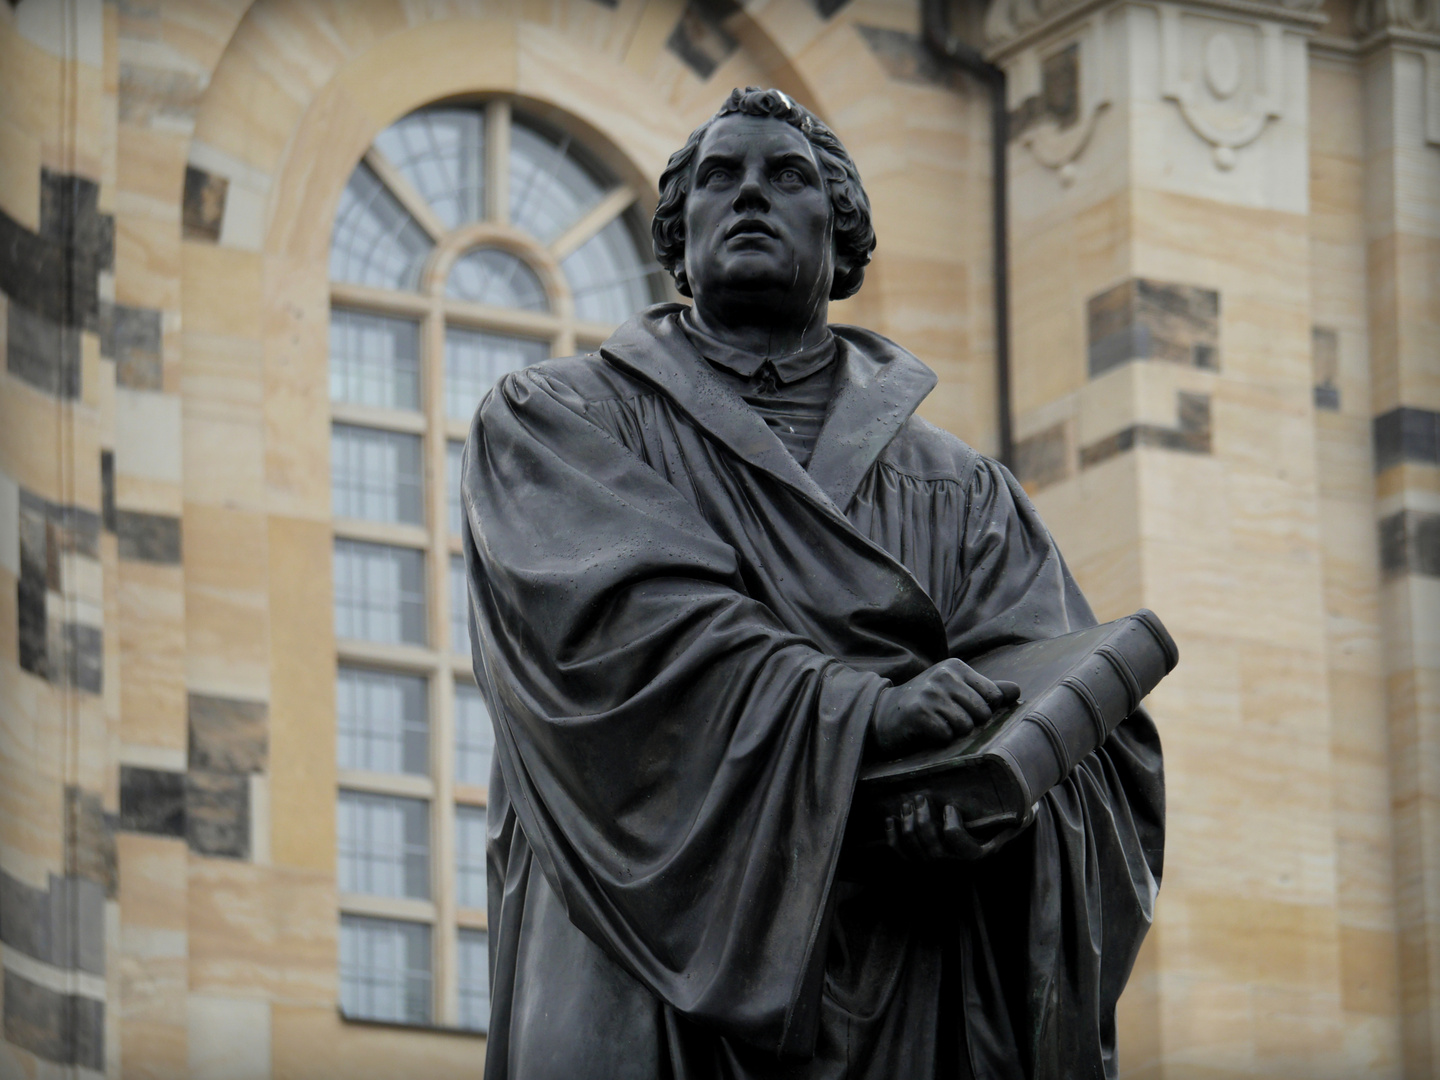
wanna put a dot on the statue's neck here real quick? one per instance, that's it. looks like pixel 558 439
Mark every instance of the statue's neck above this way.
pixel 760 336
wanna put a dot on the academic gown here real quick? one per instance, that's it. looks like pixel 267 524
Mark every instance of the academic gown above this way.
pixel 682 635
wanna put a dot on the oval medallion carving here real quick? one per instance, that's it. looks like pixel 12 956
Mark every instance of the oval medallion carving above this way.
pixel 1222 66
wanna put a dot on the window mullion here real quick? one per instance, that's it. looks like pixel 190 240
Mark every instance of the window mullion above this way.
pixel 497 161
pixel 615 203
pixel 404 192
pixel 442 703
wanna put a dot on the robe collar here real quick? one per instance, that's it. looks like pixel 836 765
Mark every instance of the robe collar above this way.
pixel 877 388
pixel 788 368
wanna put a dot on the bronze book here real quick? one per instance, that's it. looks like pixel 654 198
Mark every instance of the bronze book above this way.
pixel 1074 690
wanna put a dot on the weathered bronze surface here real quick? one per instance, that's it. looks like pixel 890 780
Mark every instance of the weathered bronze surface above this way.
pixel 715 568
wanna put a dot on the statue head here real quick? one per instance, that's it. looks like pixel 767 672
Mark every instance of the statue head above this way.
pixel 763 201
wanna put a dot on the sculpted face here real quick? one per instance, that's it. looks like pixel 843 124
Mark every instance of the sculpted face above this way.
pixel 758 231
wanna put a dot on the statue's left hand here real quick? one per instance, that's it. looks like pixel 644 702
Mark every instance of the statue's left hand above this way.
pixel 916 834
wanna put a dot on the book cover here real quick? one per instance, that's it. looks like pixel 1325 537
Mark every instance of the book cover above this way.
pixel 1074 690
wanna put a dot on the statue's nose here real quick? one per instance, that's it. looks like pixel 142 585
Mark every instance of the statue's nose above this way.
pixel 751 195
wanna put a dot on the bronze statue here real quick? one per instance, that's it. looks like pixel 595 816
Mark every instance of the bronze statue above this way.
pixel 716 568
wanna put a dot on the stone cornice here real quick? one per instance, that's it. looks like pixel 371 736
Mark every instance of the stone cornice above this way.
pixel 1405 21
pixel 1011 25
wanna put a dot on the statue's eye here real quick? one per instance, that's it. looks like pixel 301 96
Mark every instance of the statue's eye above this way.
pixel 790 177
pixel 715 177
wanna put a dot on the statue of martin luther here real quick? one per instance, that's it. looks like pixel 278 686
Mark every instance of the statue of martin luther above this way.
pixel 714 568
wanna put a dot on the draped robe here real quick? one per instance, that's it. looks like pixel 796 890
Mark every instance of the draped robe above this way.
pixel 682 635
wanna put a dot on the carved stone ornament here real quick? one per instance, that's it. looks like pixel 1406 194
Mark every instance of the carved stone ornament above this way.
pixel 1213 105
pixel 1378 16
pixel 1058 147
pixel 1008 23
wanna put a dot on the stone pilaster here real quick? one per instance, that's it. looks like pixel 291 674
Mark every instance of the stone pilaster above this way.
pixel 1400 63
pixel 1160 201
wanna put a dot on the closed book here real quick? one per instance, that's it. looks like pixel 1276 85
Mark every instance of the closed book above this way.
pixel 1074 690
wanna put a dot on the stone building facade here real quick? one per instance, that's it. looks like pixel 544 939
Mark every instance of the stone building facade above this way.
pixel 1224 249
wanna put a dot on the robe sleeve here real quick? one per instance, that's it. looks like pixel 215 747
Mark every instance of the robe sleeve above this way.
pixel 681 764
pixel 1061 911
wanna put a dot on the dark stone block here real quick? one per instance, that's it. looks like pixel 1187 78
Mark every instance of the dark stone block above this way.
pixel 25 918
pixel 217 813
pixel 1406 434
pixel 63 1028
pixel 148 537
pixel 62 925
pixel 77 530
pixel 1042 459
pixel 1325 358
pixel 906 59
pixel 228 735
pixel 84 656
pixel 152 801
pixel 53 273
pixel 107 489
pixel 700 39
pixel 1060 86
pixel 138 350
pixel 43 353
pixel 1410 543
pixel 1059 96
pixel 32 631
pixel 1151 320
pixel 1194 416
pixel 48 648
pixel 48 529
pixel 204 206
pixel 70 213
pixel 91 836
pixel 1192 435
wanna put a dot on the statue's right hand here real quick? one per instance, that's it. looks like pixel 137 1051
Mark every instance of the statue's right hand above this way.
pixel 936 707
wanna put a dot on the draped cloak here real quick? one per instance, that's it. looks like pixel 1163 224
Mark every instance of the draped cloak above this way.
pixel 681 635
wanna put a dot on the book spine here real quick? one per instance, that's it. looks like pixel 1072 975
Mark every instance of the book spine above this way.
pixel 1080 711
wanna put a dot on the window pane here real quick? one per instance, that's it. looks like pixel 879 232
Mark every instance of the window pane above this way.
pixel 453 452
pixel 384 844
pixel 374 360
pixel 383 722
pixel 470 857
pixel 379 593
pixel 474 737
pixel 475 359
pixel 375 475
pixel 609 278
pixel 549 188
pixel 376 241
pixel 474 980
pixel 488 276
pixel 459 606
pixel 442 153
pixel 385 970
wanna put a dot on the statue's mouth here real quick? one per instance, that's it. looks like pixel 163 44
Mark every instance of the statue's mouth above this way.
pixel 750 227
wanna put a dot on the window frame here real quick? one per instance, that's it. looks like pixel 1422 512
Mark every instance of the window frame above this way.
pixel 444 667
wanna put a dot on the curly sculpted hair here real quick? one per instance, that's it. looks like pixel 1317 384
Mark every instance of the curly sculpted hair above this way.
pixel 854 233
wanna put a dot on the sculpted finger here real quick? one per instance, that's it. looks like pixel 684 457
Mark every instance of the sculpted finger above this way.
pixel 989 692
pixel 958 840
pixel 1011 690
pixel 976 708
pixel 927 832
pixel 908 844
pixel 892 836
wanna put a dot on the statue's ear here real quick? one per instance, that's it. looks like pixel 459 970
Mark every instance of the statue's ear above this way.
pixel 682 283
pixel 847 278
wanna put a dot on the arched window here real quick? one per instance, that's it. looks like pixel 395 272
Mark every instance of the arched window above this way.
pixel 470 241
